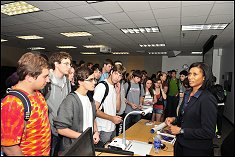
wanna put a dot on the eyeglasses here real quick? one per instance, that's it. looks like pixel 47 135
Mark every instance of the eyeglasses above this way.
pixel 90 80
pixel 67 64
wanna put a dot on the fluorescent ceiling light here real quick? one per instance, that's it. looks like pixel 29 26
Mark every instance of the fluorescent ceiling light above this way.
pixel 196 52
pixel 3 40
pixel 204 27
pixel 157 53
pixel 88 53
pixel 140 30
pixel 36 48
pixel 29 37
pixel 17 8
pixel 66 47
pixel 151 45
pixel 120 53
pixel 76 34
pixel 93 46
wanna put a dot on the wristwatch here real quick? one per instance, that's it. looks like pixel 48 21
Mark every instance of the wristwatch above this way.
pixel 181 131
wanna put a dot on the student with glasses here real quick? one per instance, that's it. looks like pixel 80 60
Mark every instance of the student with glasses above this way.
pixel 76 112
pixel 55 91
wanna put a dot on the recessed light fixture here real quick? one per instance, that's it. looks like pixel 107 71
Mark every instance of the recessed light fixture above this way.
pixel 36 48
pixel 3 40
pixel 17 8
pixel 157 53
pixel 93 46
pixel 140 30
pixel 196 52
pixel 88 53
pixel 204 27
pixel 151 45
pixel 66 47
pixel 120 53
pixel 29 37
pixel 76 34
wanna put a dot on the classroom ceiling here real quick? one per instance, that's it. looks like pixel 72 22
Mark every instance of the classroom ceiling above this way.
pixel 56 17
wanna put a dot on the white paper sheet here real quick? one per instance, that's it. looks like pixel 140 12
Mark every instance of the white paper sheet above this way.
pixel 140 148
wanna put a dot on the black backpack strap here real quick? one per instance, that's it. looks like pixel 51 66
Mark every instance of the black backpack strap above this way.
pixel 25 101
pixel 105 93
pixel 128 88
pixel 46 91
pixel 140 88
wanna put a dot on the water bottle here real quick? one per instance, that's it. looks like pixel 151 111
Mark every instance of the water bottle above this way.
pixel 157 143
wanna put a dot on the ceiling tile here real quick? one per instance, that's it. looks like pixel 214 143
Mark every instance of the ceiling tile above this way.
pixel 45 5
pixel 107 7
pixel 193 3
pixel 60 23
pixel 223 8
pixel 62 13
pixel 71 3
pixel 84 11
pixel 164 4
pixel 169 21
pixel 143 15
pixel 167 13
pixel 44 24
pixel 77 21
pixel 220 19
pixel 27 18
pixel 194 10
pixel 124 25
pixel 146 23
pixel 117 17
pixel 44 16
pixel 107 27
pixel 193 20
pixel 129 6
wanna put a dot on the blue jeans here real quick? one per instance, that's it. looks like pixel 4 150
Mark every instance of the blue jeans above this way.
pixel 107 136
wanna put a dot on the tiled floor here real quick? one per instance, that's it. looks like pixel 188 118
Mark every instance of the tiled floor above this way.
pixel 226 128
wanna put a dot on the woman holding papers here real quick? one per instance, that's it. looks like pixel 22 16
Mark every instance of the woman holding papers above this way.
pixel 195 124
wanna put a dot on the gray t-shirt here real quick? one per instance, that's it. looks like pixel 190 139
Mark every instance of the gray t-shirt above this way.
pixel 133 95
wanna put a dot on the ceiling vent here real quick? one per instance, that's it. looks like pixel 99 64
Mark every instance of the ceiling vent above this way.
pixel 97 20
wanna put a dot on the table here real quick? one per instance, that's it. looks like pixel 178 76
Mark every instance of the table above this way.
pixel 141 132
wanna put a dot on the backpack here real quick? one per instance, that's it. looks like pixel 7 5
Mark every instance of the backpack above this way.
pixel 105 93
pixel 129 87
pixel 219 93
pixel 25 101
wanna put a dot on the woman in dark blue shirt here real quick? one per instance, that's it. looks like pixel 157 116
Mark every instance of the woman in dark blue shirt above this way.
pixel 195 124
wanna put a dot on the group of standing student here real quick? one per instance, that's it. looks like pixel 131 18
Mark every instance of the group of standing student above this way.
pixel 66 114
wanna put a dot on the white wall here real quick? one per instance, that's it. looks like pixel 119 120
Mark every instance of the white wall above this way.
pixel 216 64
pixel 151 64
pixel 227 65
pixel 178 61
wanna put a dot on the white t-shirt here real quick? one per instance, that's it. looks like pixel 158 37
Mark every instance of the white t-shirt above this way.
pixel 109 106
pixel 123 102
pixel 87 111
pixel 147 98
